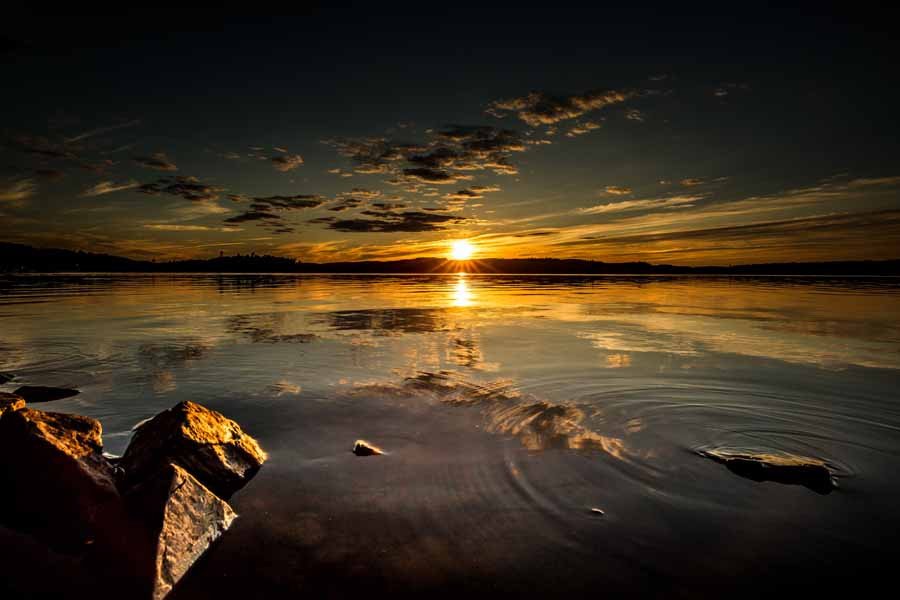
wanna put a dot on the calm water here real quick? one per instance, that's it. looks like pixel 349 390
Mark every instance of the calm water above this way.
pixel 509 407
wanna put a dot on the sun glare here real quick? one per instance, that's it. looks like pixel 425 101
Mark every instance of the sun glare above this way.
pixel 461 250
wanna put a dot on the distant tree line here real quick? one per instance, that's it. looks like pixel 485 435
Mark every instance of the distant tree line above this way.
pixel 18 258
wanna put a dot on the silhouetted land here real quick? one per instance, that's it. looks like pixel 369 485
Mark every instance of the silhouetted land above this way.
pixel 18 258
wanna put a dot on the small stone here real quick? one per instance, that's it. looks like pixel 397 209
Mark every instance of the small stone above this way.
pixel 780 468
pixel 209 446
pixel 364 448
pixel 39 393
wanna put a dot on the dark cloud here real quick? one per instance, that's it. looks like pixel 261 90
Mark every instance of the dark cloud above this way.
pixel 286 162
pixel 50 174
pixel 266 210
pixel 40 146
pixel 409 221
pixel 540 108
pixel 189 188
pixel 158 161
pixel 426 175
pixel 388 205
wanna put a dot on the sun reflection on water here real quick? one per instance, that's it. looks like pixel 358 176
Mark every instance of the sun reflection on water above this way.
pixel 462 295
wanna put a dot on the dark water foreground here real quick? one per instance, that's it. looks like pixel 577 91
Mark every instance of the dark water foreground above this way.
pixel 509 407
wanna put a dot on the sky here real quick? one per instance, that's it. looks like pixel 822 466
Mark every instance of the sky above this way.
pixel 653 135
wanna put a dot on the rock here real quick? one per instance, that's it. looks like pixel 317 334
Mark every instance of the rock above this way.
pixel 40 393
pixel 56 484
pixel 209 446
pixel 5 377
pixel 175 519
pixel 781 468
pixel 10 402
pixel 364 448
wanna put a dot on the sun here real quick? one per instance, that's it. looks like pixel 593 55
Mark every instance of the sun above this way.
pixel 461 250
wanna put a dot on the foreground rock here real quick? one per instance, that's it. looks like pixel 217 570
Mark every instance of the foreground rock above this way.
pixel 364 448
pixel 56 483
pixel 781 468
pixel 175 519
pixel 211 447
pixel 40 393
pixel 4 377
pixel 10 402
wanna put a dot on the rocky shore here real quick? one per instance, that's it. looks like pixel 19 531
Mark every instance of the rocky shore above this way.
pixel 134 525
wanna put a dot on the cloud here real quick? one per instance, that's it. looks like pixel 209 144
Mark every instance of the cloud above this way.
pixel 40 146
pixel 446 157
pixel 177 227
pixel 634 114
pixel 616 190
pixel 409 221
pixel 427 175
pixel 646 204
pixel 265 210
pixel 287 162
pixel 100 130
pixel 691 181
pixel 388 205
pixel 541 108
pixel 580 129
pixel 189 188
pixel 50 174
pixel 17 191
pixel 108 187
pixel 158 161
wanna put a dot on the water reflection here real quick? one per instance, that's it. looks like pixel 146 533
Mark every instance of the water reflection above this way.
pixel 462 295
pixel 509 406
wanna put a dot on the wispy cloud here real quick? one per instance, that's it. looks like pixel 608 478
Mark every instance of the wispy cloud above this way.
pixel 645 204
pixel 542 108
pixel 18 190
pixel 101 130
pixel 108 187
pixel 158 161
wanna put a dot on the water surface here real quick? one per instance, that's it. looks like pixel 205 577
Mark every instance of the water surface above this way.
pixel 510 407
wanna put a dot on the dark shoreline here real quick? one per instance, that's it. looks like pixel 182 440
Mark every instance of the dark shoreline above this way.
pixel 18 258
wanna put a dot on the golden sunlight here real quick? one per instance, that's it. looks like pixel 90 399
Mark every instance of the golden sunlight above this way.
pixel 461 250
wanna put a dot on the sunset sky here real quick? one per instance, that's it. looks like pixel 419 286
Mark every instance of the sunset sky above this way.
pixel 342 136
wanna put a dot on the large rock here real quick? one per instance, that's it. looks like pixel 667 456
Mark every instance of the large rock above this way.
pixel 208 445
pixel 781 468
pixel 55 482
pixel 43 393
pixel 10 402
pixel 174 519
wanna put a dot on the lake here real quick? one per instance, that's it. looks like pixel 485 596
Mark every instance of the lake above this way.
pixel 510 408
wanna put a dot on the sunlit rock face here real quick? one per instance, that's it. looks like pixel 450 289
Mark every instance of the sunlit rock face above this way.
pixel 62 483
pixel 175 520
pixel 780 468
pixel 10 402
pixel 211 447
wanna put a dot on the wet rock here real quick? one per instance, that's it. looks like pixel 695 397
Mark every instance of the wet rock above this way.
pixel 10 402
pixel 39 393
pixel 211 447
pixel 174 520
pixel 62 484
pixel 364 448
pixel 781 468
pixel 5 377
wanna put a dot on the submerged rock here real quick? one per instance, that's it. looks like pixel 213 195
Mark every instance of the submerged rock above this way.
pixel 780 468
pixel 61 485
pixel 40 393
pixel 175 519
pixel 364 448
pixel 211 447
pixel 10 402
